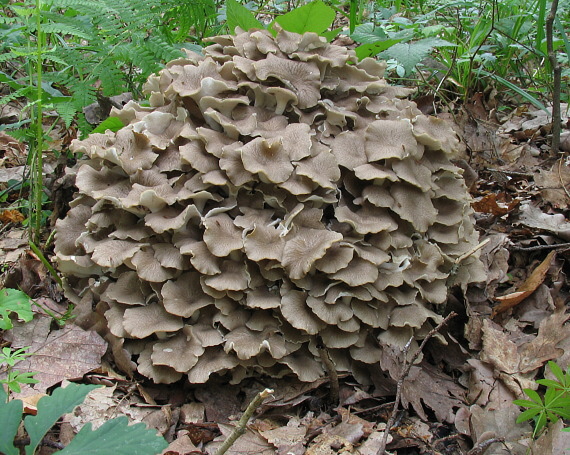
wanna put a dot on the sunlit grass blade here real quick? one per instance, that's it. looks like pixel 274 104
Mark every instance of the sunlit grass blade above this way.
pixel 523 93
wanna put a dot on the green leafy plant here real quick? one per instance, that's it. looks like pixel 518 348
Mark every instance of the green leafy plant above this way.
pixel 404 41
pixel 114 437
pixel 13 377
pixel 554 405
pixel 63 55
pixel 315 17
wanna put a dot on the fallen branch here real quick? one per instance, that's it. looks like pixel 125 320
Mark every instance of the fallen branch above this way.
pixel 555 246
pixel 240 428
pixel 403 375
pixel 484 445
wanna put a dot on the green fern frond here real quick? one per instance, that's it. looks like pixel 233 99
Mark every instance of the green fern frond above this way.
pixel 84 126
pixel 112 78
pixel 20 93
pixel 6 57
pixel 138 55
pixel 67 111
pixel 57 58
pixel 161 49
pixel 80 22
pixel 8 20
pixel 66 29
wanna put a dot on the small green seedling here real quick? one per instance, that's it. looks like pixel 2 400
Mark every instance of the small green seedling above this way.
pixel 14 378
pixel 556 402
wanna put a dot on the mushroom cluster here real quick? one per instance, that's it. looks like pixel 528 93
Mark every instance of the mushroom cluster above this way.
pixel 277 195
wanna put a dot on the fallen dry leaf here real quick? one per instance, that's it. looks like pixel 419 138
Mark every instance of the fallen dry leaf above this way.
pixel 11 216
pixel 553 440
pixel 502 353
pixel 554 184
pixel 544 347
pixel 534 280
pixel 500 423
pixel 182 445
pixel 428 385
pixel 287 439
pixel 329 444
pixel 250 443
pixel 13 152
pixel 372 444
pixel 491 204
pixel 484 388
pixel 220 402
pixel 517 364
pixel 67 353
pixel 533 217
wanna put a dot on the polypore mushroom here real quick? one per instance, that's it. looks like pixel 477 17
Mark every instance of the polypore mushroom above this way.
pixel 272 198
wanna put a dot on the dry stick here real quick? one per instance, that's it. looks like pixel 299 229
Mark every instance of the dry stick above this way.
pixel 557 77
pixel 404 374
pixel 555 246
pixel 240 428
pixel 482 446
pixel 561 179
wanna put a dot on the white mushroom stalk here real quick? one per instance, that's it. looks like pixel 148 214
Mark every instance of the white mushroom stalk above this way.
pixel 271 195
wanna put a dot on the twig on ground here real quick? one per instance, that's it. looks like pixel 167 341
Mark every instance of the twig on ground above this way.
pixel 240 428
pixel 513 173
pixel 555 246
pixel 472 251
pixel 404 374
pixel 561 179
pixel 333 375
pixel 483 445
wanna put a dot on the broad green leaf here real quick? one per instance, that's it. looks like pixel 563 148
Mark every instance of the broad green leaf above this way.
pixel 527 415
pixel 562 412
pixel 51 408
pixel 111 123
pixel 557 371
pixel 4 78
pixel 528 404
pixel 116 437
pixel 10 418
pixel 313 17
pixel 410 54
pixel 549 383
pixel 368 34
pixel 369 50
pixel 329 35
pixel 14 301
pixel 533 395
pixel 239 16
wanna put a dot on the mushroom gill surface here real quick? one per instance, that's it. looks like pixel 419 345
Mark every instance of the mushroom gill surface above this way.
pixel 272 198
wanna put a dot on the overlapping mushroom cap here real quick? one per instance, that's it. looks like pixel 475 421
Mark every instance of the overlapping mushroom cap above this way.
pixel 276 194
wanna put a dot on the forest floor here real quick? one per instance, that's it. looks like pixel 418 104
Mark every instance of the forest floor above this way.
pixel 505 331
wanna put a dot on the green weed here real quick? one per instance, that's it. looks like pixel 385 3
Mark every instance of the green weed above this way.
pixel 14 379
pixel 554 405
